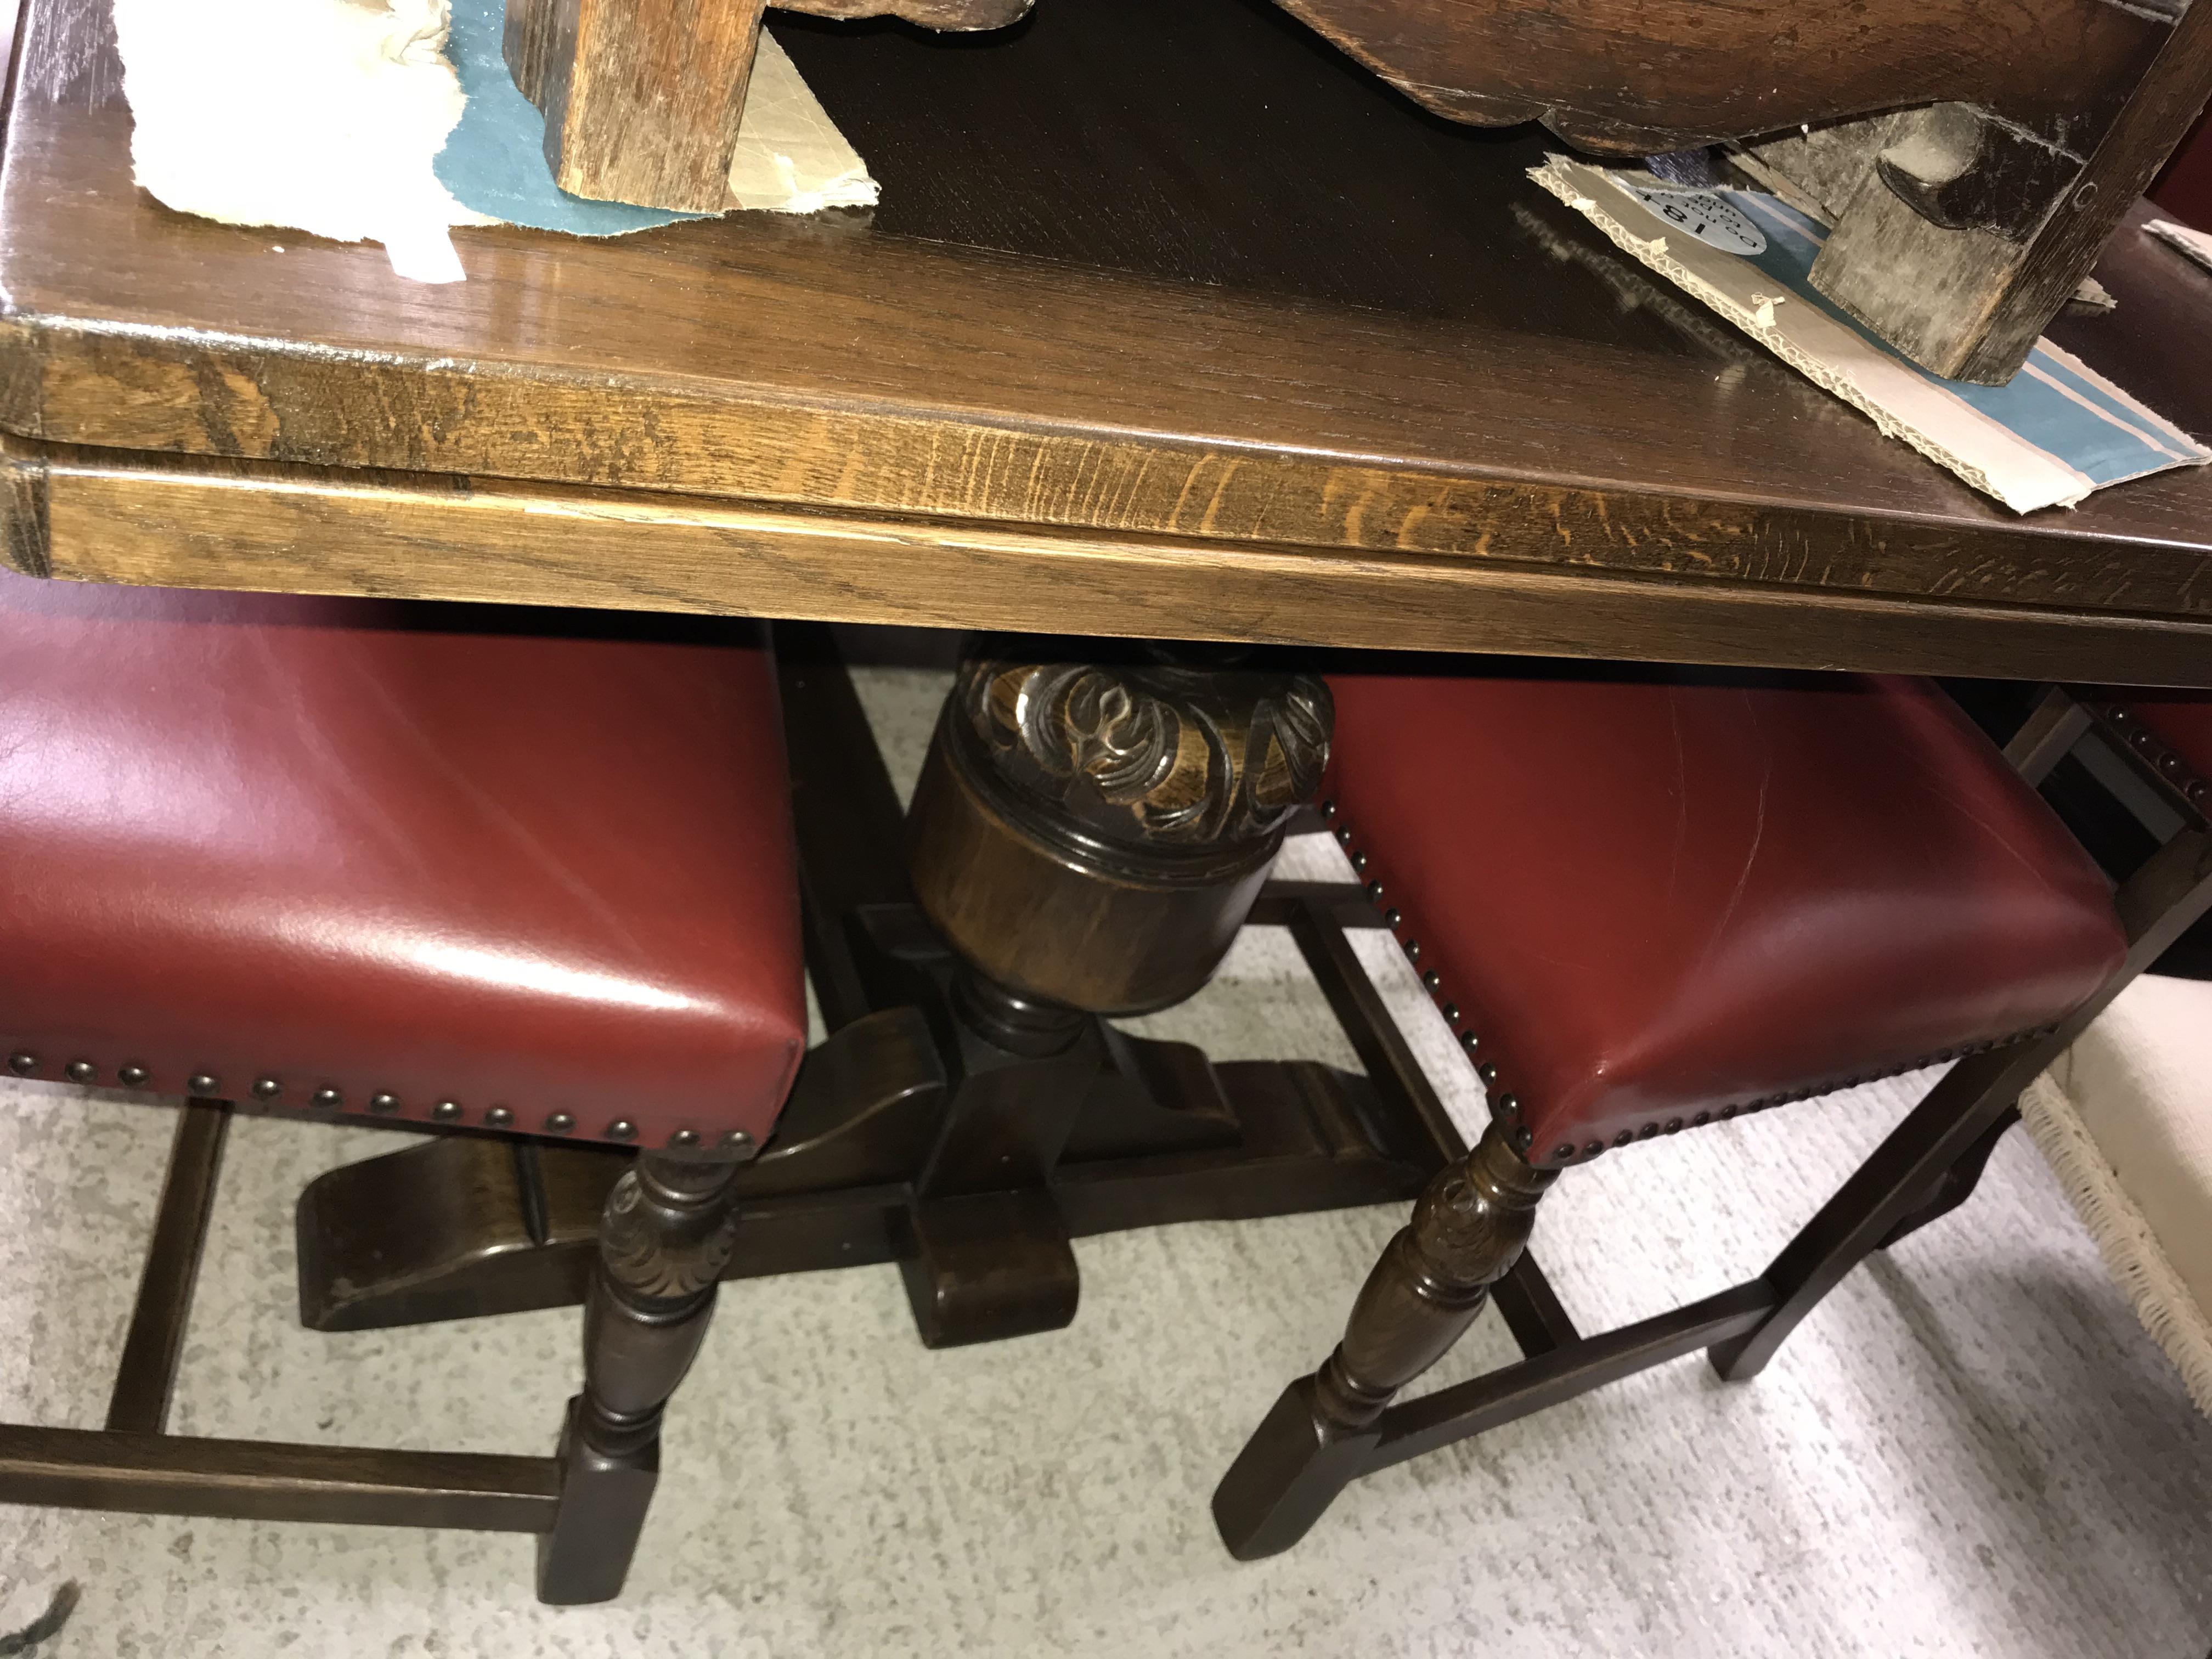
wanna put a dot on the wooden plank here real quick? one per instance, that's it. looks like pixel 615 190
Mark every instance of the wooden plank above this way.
pixel 196 523
pixel 1194 389
pixel 1642 76
pixel 156 1339
pixel 642 98
pixel 259 1480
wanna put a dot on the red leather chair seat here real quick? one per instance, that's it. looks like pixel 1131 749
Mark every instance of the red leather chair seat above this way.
pixel 1661 899
pixel 2182 721
pixel 388 849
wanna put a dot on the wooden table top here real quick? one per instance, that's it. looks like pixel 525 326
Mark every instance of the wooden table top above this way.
pixel 1173 322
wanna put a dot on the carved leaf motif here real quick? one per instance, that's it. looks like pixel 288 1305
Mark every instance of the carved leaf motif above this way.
pixel 1123 740
pixel 1152 752
pixel 649 1252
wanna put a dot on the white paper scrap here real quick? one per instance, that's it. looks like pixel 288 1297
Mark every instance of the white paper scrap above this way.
pixel 2194 243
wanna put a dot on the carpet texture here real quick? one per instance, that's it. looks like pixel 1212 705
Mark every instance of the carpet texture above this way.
pixel 1972 1448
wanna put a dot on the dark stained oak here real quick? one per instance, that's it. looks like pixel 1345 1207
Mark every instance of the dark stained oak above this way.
pixel 642 98
pixel 1172 318
pixel 1641 76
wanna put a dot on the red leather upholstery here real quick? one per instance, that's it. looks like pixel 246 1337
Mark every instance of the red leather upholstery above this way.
pixel 384 848
pixel 1658 899
pixel 2182 720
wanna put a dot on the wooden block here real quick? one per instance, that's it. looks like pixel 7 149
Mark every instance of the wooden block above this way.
pixel 1971 303
pixel 641 97
pixel 1973 157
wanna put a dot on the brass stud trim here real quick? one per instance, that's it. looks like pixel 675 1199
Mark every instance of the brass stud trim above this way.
pixel 500 1117
pixel 560 1123
pixel 203 1083
pixel 621 1129
pixel 447 1111
pixel 383 1103
pixel 267 1088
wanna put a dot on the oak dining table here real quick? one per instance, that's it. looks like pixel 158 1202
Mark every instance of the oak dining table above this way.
pixel 1173 325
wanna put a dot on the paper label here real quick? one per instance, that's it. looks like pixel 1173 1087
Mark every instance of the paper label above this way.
pixel 1706 217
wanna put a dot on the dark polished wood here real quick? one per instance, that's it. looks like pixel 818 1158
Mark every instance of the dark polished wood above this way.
pixel 262 1480
pixel 668 1232
pixel 154 1341
pixel 1959 1181
pixel 1134 805
pixel 131 1464
pixel 1615 75
pixel 1434 1277
pixel 1263 354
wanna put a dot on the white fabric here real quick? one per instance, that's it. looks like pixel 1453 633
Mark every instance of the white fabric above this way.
pixel 317 115
pixel 2125 1120
pixel 326 116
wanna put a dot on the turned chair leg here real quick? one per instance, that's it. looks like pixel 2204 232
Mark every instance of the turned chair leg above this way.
pixel 1466 1231
pixel 667 1232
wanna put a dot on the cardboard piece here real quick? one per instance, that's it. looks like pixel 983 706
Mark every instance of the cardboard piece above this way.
pixel 2058 432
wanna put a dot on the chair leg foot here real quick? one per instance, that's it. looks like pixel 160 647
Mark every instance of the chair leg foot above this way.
pixel 1288 1474
pixel 667 1233
pixel 604 1500
pixel 1467 1231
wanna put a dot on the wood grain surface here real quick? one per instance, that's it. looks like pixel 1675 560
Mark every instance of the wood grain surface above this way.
pixel 642 98
pixel 1971 304
pixel 1166 277
pixel 1642 76
pixel 104 515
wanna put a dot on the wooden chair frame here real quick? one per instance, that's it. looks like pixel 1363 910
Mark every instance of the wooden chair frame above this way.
pixel 662 1246
pixel 1466 1243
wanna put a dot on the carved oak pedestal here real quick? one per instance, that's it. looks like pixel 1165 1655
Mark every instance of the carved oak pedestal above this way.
pixel 1087 838
pixel 1085 842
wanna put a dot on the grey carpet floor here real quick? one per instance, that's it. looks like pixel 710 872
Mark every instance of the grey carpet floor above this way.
pixel 1971 1448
